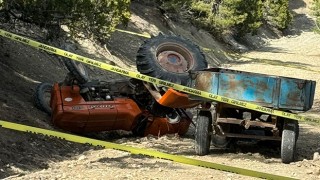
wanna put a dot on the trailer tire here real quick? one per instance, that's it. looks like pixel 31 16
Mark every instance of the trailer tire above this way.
pixel 77 69
pixel 170 58
pixel 203 133
pixel 42 97
pixel 289 139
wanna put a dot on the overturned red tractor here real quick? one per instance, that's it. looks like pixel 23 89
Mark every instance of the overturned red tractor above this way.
pixel 80 105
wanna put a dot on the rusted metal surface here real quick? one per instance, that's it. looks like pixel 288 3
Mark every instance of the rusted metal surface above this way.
pixel 246 123
pixel 204 81
pixel 269 91
pixel 172 61
pixel 296 93
pixel 174 58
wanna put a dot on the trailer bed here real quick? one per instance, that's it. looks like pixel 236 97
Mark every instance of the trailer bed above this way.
pixel 270 91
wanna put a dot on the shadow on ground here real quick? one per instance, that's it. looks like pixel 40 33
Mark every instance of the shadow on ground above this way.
pixel 301 22
pixel 308 142
pixel 135 162
pixel 291 64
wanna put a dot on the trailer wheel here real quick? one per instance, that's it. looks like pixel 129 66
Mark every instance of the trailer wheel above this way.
pixel 42 97
pixel 289 139
pixel 203 133
pixel 77 69
pixel 170 58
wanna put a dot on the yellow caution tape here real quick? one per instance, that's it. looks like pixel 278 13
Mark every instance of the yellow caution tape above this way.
pixel 134 150
pixel 146 35
pixel 156 81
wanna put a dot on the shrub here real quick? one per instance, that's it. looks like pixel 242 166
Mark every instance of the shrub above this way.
pixel 95 18
pixel 233 16
pixel 229 16
pixel 277 14
pixel 316 12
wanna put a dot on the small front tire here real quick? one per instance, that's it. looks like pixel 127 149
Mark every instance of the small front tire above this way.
pixel 42 97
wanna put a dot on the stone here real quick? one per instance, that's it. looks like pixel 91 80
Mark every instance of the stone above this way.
pixel 316 156
pixel 82 157
pixel 316 171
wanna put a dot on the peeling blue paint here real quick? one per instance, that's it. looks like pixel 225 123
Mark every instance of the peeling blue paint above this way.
pixel 270 91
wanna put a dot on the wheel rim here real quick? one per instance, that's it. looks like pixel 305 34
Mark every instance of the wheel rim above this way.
pixel 174 58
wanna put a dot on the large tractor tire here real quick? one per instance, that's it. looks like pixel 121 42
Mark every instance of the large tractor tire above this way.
pixel 203 133
pixel 170 58
pixel 42 97
pixel 77 69
pixel 289 139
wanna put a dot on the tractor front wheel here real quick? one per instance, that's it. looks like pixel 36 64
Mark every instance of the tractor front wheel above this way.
pixel 42 97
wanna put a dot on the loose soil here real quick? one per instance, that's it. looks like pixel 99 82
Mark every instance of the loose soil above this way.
pixel 28 156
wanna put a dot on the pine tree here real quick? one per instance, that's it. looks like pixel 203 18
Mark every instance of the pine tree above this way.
pixel 230 16
pixel 236 17
pixel 277 14
pixel 91 18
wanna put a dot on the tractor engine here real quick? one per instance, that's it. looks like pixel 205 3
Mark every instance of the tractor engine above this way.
pixel 98 105
pixel 112 105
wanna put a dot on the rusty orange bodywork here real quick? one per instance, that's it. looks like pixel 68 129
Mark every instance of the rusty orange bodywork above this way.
pixel 71 112
pixel 175 99
pixel 161 126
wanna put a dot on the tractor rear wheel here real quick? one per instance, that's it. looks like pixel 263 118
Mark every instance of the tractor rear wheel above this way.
pixel 170 58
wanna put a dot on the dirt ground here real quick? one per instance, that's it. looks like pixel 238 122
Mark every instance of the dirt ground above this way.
pixel 27 156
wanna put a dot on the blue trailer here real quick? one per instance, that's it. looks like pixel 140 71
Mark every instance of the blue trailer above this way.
pixel 222 123
pixel 178 60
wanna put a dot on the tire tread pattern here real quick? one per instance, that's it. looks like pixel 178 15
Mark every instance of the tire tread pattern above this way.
pixel 39 98
pixel 147 64
pixel 290 136
pixel 203 133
